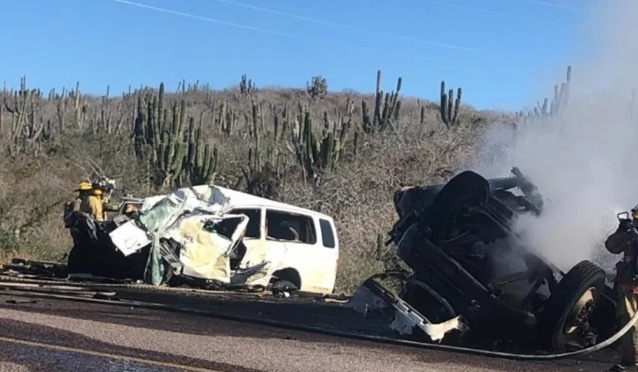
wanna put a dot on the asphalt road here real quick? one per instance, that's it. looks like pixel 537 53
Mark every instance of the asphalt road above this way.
pixel 57 335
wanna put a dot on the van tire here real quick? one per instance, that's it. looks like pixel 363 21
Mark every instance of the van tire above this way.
pixel 281 286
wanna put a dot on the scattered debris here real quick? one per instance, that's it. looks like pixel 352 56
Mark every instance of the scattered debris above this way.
pixel 372 300
pixel 19 302
pixel 45 269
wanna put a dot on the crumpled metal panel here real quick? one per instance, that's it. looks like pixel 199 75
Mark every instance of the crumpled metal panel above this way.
pixel 371 300
pixel 181 217
pixel 204 253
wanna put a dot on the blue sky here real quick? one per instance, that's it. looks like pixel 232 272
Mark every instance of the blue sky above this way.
pixel 505 54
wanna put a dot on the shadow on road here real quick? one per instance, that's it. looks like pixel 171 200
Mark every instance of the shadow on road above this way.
pixel 313 313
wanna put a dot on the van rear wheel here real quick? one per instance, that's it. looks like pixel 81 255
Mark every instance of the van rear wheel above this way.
pixel 281 286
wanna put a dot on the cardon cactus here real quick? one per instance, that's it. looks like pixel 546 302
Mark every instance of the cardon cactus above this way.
pixel 202 158
pixel 550 110
pixel 163 146
pixel 28 132
pixel 318 154
pixel 386 109
pixel 449 108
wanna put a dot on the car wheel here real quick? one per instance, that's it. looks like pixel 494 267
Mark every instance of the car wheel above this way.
pixel 565 318
pixel 465 189
pixel 281 286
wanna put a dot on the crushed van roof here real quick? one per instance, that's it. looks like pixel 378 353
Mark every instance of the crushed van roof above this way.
pixel 242 199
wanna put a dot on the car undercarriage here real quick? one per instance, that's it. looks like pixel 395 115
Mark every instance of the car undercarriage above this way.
pixel 466 261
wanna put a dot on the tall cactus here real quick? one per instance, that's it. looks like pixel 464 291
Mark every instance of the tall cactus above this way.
pixel 201 158
pixel 227 119
pixel 161 144
pixel 449 108
pixel 247 86
pixel 549 110
pixel 318 154
pixel 264 172
pixel 561 94
pixel 168 147
pixel 386 109
pixel 27 132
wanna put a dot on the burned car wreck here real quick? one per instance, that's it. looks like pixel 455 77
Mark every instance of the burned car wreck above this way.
pixel 472 278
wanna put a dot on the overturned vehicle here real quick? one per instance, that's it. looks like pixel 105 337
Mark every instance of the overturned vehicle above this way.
pixel 210 237
pixel 471 280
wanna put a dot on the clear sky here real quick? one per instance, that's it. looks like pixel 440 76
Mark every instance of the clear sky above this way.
pixel 503 53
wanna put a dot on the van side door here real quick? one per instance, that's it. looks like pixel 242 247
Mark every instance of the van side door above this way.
pixel 249 250
pixel 303 248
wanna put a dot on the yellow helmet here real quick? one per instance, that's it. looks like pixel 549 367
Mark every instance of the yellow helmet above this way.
pixel 84 186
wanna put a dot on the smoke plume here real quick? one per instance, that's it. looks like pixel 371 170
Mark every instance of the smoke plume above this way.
pixel 585 160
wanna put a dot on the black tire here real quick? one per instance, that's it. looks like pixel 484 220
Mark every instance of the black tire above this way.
pixel 283 286
pixel 465 189
pixel 553 318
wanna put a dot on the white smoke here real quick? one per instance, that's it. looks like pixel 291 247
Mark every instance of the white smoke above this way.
pixel 585 163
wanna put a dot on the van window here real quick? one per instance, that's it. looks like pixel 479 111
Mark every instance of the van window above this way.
pixel 252 229
pixel 290 227
pixel 327 235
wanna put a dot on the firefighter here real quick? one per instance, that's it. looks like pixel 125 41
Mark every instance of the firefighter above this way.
pixel 625 241
pixel 75 206
pixel 93 205
pixel 102 190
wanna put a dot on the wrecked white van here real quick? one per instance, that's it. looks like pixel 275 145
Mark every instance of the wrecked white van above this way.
pixel 233 239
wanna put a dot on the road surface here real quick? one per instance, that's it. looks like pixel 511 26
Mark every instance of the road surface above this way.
pixel 58 335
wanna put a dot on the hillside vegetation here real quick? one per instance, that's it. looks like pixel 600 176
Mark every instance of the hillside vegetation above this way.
pixel 340 153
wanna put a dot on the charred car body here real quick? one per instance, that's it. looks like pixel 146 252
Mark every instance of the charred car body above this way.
pixel 459 243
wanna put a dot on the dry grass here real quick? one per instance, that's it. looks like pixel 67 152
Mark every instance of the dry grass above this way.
pixel 358 192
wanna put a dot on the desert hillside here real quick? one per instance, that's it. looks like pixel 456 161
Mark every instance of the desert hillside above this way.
pixel 340 153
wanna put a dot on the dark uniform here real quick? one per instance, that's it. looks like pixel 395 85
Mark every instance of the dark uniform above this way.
pixel 625 241
pixel 75 206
